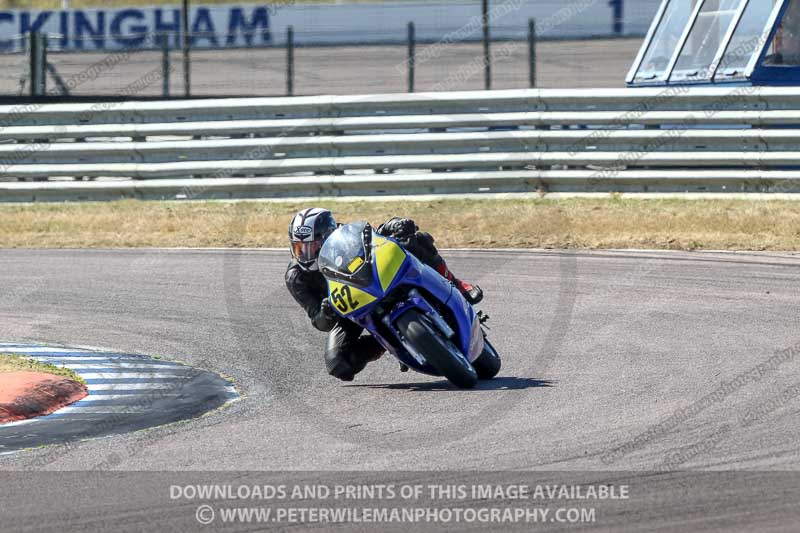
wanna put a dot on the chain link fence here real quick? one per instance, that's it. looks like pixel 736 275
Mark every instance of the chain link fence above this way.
pixel 294 67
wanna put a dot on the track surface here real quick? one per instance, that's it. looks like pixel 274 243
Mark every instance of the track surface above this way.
pixel 598 348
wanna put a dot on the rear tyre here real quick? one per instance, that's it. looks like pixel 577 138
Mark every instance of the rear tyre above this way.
pixel 438 351
pixel 488 364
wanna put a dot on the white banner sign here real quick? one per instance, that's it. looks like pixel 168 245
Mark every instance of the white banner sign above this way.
pixel 259 25
pixel 114 29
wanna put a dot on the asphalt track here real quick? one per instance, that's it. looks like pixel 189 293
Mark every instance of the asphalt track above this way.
pixel 599 349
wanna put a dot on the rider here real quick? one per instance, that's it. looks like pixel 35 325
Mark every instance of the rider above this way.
pixel 347 351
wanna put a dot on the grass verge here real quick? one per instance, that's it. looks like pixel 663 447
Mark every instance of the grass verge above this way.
pixel 502 223
pixel 21 363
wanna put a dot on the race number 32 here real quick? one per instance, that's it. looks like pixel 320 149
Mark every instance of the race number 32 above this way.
pixel 343 299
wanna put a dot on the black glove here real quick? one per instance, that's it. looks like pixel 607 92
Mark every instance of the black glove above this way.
pixel 398 228
pixel 324 319
pixel 326 310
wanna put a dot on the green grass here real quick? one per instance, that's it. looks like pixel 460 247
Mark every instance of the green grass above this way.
pixel 21 363
pixel 602 223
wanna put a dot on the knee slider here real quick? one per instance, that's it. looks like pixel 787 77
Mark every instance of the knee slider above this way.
pixel 338 366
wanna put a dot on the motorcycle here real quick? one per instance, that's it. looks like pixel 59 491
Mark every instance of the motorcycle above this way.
pixel 415 313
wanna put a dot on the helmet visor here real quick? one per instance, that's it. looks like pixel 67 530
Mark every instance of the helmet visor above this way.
pixel 306 252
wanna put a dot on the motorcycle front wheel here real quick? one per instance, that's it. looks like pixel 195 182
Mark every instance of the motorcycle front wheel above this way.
pixel 438 351
pixel 488 364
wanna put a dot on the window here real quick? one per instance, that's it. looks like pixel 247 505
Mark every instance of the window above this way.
pixel 707 36
pixel 665 39
pixel 750 35
pixel 784 49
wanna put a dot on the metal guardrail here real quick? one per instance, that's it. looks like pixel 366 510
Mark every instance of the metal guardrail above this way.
pixel 733 139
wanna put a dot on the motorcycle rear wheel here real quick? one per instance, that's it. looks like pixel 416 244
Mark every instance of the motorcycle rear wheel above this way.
pixel 438 351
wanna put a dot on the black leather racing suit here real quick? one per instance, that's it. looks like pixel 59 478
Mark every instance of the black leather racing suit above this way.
pixel 348 351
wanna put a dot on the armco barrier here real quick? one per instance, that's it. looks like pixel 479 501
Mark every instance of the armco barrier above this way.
pixel 732 139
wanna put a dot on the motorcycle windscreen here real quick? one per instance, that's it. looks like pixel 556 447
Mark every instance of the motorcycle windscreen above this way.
pixel 343 257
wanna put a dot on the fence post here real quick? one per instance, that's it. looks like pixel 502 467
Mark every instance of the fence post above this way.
pixel 38 62
pixel 532 52
pixel 290 61
pixel 487 56
pixel 185 45
pixel 411 55
pixel 165 68
pixel 618 17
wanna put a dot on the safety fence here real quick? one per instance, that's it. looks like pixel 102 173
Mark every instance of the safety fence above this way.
pixel 287 47
pixel 732 139
pixel 39 69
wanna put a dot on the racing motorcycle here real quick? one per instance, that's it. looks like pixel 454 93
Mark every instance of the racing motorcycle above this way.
pixel 415 313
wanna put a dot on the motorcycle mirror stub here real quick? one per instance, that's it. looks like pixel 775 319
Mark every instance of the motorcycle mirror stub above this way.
pixel 367 240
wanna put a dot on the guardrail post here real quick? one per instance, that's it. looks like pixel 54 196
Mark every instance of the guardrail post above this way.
pixel 487 55
pixel 38 63
pixel 532 53
pixel 165 67
pixel 411 55
pixel 290 61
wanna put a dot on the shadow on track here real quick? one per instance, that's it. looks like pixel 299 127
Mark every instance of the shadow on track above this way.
pixel 501 383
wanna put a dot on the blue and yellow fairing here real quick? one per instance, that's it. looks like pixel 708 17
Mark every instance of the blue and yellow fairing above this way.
pixel 388 260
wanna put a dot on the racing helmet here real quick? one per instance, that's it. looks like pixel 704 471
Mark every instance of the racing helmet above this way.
pixel 307 232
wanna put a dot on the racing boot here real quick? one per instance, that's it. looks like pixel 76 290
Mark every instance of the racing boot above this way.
pixel 471 293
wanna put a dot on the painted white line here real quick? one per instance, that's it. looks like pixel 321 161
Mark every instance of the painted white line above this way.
pixel 135 375
pixel 43 349
pixel 103 409
pixel 79 366
pixel 143 387
pixel 20 423
pixel 144 370
pixel 110 359
pixel 16 344
pixel 132 397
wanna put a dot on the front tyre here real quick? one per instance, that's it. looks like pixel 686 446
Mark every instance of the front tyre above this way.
pixel 488 363
pixel 440 353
